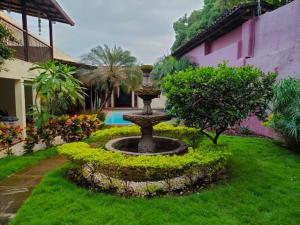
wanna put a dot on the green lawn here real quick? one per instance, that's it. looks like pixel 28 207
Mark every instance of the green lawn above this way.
pixel 263 188
pixel 13 164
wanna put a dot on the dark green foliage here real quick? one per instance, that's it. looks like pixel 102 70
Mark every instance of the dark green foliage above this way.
pixel 188 26
pixel 218 97
pixel 286 109
pixel 169 65
pixel 244 130
pixel 262 188
pixel 57 88
pixel 5 37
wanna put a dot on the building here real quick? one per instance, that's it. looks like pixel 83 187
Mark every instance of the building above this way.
pixel 16 92
pixel 120 100
pixel 270 41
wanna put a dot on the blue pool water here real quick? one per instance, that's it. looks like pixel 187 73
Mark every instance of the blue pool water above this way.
pixel 116 118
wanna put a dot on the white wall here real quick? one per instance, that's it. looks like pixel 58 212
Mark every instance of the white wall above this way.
pixel 157 103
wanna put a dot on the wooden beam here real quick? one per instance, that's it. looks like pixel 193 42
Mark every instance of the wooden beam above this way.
pixel 25 30
pixel 51 38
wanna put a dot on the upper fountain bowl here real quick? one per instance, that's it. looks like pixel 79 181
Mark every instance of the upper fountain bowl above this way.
pixel 147 120
pixel 148 93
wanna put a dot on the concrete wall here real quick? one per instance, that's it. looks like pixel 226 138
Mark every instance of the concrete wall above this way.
pixel 270 42
pixel 17 69
pixel 157 103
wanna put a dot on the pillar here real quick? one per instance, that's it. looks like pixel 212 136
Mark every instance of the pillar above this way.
pixel 20 104
pixel 132 99
pixel 51 39
pixel 112 99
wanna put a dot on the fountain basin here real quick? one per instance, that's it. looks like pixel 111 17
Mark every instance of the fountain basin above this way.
pixel 163 146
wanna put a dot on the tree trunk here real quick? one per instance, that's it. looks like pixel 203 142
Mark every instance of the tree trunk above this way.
pixel 107 98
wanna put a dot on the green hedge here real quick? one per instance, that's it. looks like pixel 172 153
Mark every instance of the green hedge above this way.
pixel 208 158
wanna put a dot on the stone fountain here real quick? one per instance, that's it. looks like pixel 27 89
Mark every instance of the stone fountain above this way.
pixel 147 144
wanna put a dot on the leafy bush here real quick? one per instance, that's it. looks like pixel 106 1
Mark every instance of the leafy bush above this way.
pixel 139 168
pixel 286 110
pixel 70 128
pixel 216 98
pixel 5 37
pixel 9 135
pixel 57 89
pixel 77 127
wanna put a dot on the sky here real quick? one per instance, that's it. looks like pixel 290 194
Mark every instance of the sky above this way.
pixel 144 27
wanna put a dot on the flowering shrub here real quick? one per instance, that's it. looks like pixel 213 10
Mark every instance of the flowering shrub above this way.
pixel 70 128
pixel 77 127
pixel 31 139
pixel 8 136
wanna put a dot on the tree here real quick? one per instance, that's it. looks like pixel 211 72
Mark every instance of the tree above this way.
pixel 57 88
pixel 187 27
pixel 115 68
pixel 286 110
pixel 5 37
pixel 214 99
pixel 169 65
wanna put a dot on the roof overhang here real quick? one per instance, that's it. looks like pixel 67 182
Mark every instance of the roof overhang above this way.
pixel 46 9
pixel 224 24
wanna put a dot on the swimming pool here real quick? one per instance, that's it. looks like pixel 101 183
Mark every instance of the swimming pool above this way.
pixel 116 118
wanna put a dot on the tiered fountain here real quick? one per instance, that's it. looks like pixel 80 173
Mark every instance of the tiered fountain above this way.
pixel 147 144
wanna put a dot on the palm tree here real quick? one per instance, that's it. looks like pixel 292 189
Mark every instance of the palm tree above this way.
pixel 115 68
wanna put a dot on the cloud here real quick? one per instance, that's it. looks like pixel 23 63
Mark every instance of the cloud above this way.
pixel 142 26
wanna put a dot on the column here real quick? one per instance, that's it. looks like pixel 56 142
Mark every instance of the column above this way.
pixel 51 39
pixel 20 104
pixel 132 99
pixel 112 99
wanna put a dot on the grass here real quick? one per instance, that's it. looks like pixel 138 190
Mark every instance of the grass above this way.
pixel 263 187
pixel 13 164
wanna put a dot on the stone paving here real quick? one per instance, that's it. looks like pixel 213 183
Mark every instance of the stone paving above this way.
pixel 16 189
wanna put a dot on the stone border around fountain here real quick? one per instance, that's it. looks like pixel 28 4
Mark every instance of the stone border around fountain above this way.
pixel 180 185
pixel 116 145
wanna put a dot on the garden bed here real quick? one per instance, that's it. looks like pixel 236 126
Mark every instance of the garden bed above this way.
pixel 145 175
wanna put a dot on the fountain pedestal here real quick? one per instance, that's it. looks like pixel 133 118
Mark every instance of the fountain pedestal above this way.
pixel 146 119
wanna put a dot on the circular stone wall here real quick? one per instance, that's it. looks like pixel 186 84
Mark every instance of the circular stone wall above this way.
pixel 164 146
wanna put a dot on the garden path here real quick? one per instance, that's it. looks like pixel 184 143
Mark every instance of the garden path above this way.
pixel 16 189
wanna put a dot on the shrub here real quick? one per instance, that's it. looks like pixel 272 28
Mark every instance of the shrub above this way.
pixel 216 98
pixel 5 37
pixel 9 135
pixel 207 157
pixel 77 127
pixel 70 128
pixel 286 110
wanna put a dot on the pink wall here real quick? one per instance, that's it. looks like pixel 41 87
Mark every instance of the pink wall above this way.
pixel 277 41
pixel 270 42
pixel 227 39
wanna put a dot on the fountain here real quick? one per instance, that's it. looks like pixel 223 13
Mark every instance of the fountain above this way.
pixel 147 144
